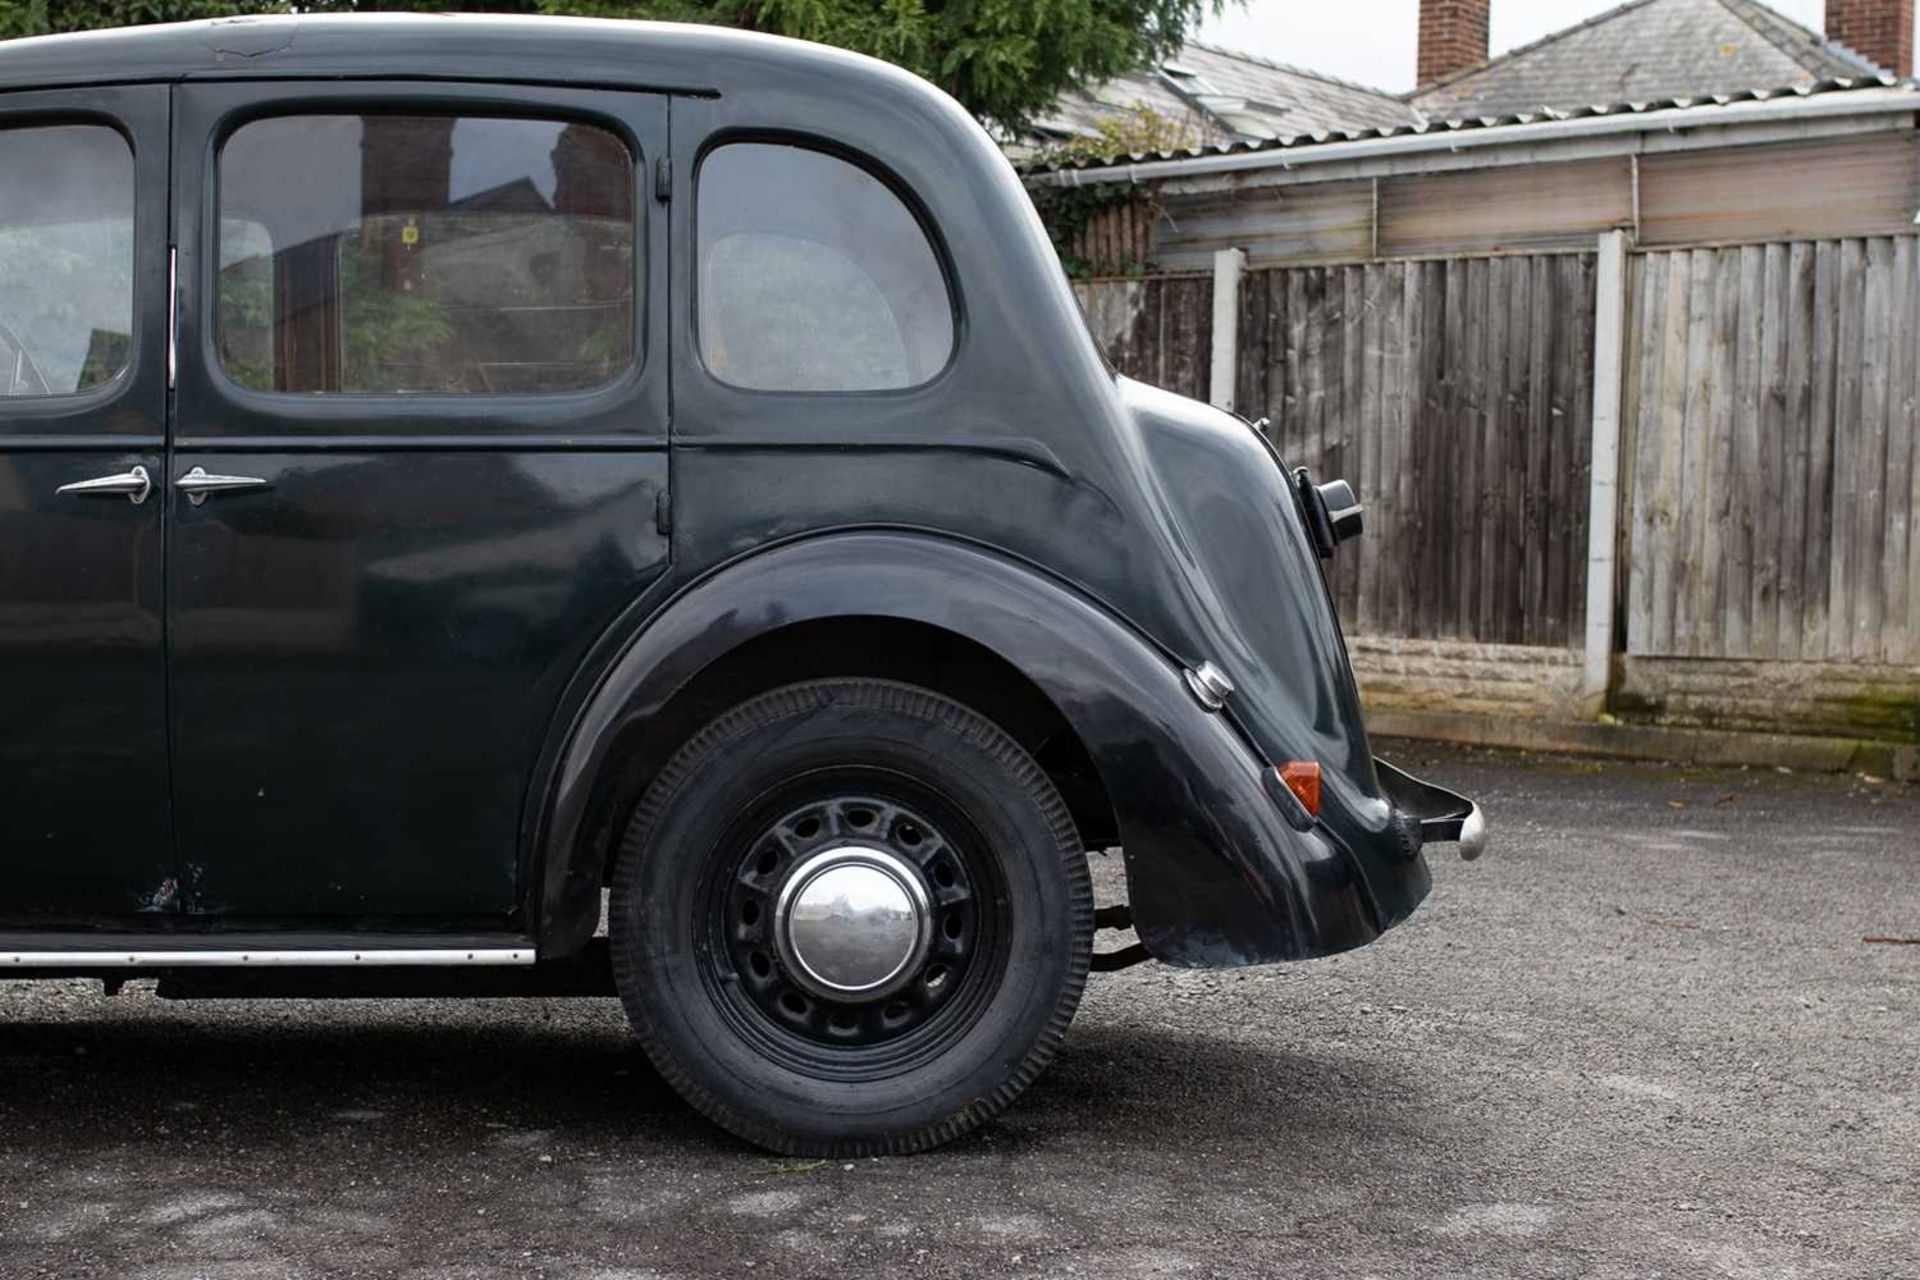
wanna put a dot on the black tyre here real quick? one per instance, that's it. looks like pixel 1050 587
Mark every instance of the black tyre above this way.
pixel 851 917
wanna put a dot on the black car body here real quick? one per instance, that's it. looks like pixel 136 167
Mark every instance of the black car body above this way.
pixel 444 422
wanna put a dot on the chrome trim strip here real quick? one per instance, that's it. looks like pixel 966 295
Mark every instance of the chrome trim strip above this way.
pixel 173 312
pixel 373 957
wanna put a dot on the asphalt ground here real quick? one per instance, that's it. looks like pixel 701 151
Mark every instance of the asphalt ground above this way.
pixel 1643 1037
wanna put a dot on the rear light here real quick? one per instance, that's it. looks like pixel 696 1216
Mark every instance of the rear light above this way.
pixel 1302 778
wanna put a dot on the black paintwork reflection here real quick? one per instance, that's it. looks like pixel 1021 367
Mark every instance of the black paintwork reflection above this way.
pixel 365 657
pixel 83 750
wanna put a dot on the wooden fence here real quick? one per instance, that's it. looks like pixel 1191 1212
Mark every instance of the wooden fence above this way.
pixel 1158 329
pixel 1773 396
pixel 1771 422
pixel 1456 397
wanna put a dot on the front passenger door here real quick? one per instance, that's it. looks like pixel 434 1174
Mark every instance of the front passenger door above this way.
pixel 84 832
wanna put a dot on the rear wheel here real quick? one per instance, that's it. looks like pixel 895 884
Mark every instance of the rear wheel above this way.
pixel 851 917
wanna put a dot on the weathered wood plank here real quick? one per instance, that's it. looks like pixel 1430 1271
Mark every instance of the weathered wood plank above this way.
pixel 1723 378
pixel 1250 373
pixel 1645 351
pixel 1430 432
pixel 1847 448
pixel 1911 326
pixel 1450 483
pixel 1749 265
pixel 1869 603
pixel 1903 324
pixel 1406 412
pixel 1535 525
pixel 1488 346
pixel 1348 458
pixel 1670 437
pixel 1577 429
pixel 1763 607
pixel 1796 420
pixel 1823 366
pixel 1374 448
pixel 1690 519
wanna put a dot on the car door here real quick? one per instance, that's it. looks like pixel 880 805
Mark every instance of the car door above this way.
pixel 83 391
pixel 418 466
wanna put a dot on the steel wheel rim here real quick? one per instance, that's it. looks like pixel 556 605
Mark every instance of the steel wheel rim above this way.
pixel 913 832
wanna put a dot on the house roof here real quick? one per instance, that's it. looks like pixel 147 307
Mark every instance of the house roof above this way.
pixel 1225 97
pixel 1866 94
pixel 1647 50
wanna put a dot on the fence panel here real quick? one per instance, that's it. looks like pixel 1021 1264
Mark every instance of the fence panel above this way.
pixel 1158 329
pixel 1456 397
pixel 1772 399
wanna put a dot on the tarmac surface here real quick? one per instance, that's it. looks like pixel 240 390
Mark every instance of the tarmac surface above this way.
pixel 1643 1037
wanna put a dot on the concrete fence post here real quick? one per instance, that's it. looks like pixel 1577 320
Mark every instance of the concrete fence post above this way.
pixel 1603 488
pixel 1228 264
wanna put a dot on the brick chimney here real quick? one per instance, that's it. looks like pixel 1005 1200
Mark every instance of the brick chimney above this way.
pixel 1453 35
pixel 1880 31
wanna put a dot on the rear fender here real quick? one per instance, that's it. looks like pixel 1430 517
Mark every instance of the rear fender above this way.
pixel 1216 875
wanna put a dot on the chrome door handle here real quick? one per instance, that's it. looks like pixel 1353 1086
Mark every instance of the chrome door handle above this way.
pixel 197 484
pixel 132 485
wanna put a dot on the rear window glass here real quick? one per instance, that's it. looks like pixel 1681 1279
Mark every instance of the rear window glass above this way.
pixel 66 259
pixel 814 276
pixel 425 254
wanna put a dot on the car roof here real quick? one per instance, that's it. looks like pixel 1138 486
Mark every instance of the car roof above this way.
pixel 663 56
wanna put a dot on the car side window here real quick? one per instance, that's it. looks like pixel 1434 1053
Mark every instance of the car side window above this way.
pixel 456 255
pixel 66 258
pixel 814 275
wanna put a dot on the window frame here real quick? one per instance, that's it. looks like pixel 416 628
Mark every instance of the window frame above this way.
pixel 630 411
pixel 58 404
pixel 895 186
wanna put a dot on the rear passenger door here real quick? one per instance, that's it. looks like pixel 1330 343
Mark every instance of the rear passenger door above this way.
pixel 83 393
pixel 417 467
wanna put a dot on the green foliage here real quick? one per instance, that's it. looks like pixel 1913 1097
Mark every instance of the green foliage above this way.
pixel 1066 211
pixel 387 331
pixel 1004 60
pixel 1140 130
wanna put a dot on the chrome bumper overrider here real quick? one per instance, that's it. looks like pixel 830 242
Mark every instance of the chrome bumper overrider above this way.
pixel 1444 817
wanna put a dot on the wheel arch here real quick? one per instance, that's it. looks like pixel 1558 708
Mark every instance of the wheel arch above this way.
pixel 1209 860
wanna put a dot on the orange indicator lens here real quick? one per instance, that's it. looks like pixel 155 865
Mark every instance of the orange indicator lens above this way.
pixel 1303 779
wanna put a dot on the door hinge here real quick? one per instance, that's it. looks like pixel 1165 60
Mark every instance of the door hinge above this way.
pixel 662 513
pixel 173 311
pixel 662 180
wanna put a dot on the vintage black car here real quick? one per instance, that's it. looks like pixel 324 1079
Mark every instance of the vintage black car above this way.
pixel 547 506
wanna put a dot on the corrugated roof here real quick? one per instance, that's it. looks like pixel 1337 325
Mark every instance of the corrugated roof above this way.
pixel 1643 50
pixel 1818 88
pixel 1224 96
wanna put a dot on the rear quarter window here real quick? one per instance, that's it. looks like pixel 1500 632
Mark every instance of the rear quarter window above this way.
pixel 814 275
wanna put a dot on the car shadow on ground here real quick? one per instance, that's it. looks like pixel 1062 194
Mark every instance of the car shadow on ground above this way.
pixel 569 1070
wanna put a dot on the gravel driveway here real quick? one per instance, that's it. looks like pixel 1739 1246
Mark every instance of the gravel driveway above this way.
pixel 1643 1037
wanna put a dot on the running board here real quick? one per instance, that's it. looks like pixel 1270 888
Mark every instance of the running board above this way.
pixel 35 953
pixel 203 972
pixel 210 959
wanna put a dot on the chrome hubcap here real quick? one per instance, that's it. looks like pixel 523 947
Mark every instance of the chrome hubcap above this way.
pixel 852 922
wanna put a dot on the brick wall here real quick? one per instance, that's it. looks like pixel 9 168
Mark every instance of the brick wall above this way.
pixel 1880 30
pixel 1453 36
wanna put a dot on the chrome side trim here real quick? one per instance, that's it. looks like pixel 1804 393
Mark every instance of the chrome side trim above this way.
pixel 213 959
pixel 173 313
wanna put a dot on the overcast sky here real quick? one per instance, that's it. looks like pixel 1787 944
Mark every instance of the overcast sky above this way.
pixel 1372 41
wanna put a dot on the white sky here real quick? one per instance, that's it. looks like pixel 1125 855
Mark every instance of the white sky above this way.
pixel 1372 41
